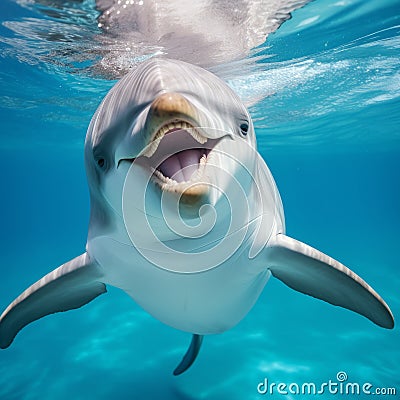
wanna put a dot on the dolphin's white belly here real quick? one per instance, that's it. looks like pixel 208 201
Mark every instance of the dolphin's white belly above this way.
pixel 206 302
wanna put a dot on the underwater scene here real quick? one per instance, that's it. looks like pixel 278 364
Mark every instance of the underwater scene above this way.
pixel 323 90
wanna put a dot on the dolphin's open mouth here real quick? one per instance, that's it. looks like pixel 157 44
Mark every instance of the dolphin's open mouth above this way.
pixel 178 156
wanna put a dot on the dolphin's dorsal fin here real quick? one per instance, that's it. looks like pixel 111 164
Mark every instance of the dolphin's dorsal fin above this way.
pixel 190 356
pixel 70 286
pixel 309 271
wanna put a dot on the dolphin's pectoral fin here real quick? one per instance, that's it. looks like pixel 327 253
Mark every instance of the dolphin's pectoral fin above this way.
pixel 190 356
pixel 70 286
pixel 309 271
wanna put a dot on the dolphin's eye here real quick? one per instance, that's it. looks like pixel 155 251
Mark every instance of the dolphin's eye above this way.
pixel 101 162
pixel 244 128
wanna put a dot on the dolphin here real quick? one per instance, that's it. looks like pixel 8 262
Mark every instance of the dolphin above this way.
pixel 185 217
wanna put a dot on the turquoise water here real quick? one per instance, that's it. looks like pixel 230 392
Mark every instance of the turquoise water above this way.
pixel 329 132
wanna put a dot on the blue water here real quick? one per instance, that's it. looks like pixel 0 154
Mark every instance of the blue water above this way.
pixel 330 134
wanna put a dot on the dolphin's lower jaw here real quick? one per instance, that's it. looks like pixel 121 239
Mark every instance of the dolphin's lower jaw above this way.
pixel 193 192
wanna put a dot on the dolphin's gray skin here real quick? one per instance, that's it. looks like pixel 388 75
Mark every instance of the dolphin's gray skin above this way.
pixel 169 143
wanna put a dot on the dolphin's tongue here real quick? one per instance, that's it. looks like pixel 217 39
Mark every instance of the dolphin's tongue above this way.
pixel 182 165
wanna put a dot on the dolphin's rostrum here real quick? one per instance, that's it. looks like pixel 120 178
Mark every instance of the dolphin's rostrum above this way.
pixel 185 215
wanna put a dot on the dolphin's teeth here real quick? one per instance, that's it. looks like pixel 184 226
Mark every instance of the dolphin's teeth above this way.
pixel 200 170
pixel 167 183
pixel 165 179
pixel 162 131
pixel 153 146
pixel 197 136
pixel 158 174
pixel 160 134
